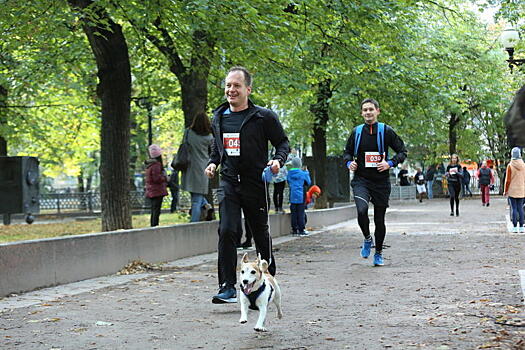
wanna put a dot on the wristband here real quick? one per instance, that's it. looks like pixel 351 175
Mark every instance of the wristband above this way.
pixel 391 163
pixel 348 164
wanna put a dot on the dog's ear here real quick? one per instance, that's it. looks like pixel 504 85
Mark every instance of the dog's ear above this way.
pixel 245 258
pixel 263 266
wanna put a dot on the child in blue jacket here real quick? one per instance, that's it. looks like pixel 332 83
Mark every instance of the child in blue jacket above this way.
pixel 297 179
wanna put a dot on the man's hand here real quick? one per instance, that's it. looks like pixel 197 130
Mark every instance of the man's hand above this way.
pixel 275 165
pixel 353 166
pixel 210 170
pixel 382 166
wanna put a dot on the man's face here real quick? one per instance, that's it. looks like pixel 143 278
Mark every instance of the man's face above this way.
pixel 369 112
pixel 236 90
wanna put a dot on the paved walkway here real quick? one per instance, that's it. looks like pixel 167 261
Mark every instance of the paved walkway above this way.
pixel 448 283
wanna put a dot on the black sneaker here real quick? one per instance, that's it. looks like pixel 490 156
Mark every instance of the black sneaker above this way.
pixel 227 294
pixel 488 204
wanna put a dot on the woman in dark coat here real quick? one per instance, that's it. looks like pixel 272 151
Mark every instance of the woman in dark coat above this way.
pixel 156 182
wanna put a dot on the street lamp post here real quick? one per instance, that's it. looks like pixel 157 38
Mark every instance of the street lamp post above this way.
pixel 509 38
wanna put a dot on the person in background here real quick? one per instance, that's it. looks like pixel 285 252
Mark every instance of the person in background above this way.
pixel 454 175
pixel 485 179
pixel 466 183
pixel 419 179
pixel 429 177
pixel 279 182
pixel 156 182
pixel 403 176
pixel 311 195
pixel 297 178
pixel 193 178
pixel 173 185
pixel 515 188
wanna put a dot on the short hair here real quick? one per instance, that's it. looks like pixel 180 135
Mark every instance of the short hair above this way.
pixel 247 75
pixel 370 100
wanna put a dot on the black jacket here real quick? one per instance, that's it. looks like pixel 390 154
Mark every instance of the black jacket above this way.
pixel 260 126
pixel 369 143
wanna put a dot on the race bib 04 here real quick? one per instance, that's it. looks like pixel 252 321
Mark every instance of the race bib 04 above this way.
pixel 232 143
pixel 372 158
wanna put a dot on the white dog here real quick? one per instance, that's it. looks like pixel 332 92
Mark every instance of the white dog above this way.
pixel 258 288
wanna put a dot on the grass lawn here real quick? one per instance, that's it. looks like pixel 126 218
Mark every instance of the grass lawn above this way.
pixel 24 231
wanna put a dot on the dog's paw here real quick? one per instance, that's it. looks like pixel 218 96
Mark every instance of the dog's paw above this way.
pixel 243 320
pixel 260 329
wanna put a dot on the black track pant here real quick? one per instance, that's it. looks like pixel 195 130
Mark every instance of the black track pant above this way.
pixel 379 193
pixel 253 204
pixel 454 188
pixel 156 204
pixel 278 193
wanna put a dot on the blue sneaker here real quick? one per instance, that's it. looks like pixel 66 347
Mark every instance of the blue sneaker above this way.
pixel 378 259
pixel 227 294
pixel 365 249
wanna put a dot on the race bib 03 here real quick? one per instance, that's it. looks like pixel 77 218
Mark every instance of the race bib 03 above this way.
pixel 232 143
pixel 372 158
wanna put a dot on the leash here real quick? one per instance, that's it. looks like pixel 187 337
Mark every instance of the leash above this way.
pixel 267 177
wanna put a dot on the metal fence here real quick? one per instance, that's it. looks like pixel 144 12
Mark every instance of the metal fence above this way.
pixel 90 201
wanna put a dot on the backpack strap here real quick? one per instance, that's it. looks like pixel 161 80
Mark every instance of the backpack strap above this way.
pixel 381 139
pixel 358 131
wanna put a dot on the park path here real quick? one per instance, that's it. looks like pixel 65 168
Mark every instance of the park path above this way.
pixel 448 283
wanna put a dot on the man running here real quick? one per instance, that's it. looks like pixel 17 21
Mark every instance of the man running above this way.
pixel 366 154
pixel 241 132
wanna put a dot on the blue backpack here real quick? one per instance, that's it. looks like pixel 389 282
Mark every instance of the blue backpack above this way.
pixel 380 139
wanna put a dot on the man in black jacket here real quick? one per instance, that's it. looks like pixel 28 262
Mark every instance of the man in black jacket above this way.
pixel 241 133
pixel 370 163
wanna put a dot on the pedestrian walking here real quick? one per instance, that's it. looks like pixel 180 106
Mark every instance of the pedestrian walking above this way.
pixel 515 188
pixel 429 177
pixel 454 176
pixel 279 183
pixel 297 180
pixel 156 183
pixel 366 154
pixel 419 179
pixel 173 185
pixel 241 132
pixel 485 181
pixel 403 176
pixel 193 178
pixel 466 183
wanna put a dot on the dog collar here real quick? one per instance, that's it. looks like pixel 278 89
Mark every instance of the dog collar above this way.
pixel 252 297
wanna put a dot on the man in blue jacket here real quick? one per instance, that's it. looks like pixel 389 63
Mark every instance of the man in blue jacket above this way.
pixel 241 132
pixel 366 154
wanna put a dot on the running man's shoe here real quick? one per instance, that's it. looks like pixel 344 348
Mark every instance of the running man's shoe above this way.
pixel 378 259
pixel 227 294
pixel 365 249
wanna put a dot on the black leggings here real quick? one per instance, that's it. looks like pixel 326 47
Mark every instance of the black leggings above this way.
pixel 454 188
pixel 278 192
pixel 379 221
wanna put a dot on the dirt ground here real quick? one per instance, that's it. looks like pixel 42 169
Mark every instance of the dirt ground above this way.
pixel 448 283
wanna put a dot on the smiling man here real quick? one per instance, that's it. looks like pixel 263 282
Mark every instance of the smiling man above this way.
pixel 366 154
pixel 241 133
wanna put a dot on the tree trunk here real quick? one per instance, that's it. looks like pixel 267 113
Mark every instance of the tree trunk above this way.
pixel 3 119
pixel 452 133
pixel 194 78
pixel 114 90
pixel 321 112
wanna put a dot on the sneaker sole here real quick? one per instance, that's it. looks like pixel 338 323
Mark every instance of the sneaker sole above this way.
pixel 224 301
